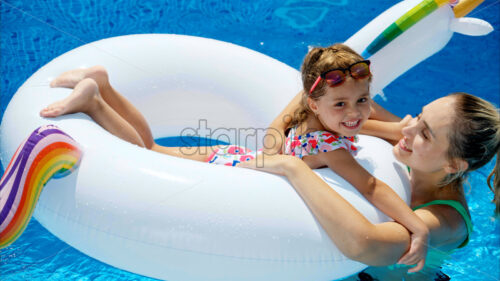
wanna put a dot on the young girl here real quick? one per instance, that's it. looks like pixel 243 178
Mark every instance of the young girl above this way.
pixel 334 105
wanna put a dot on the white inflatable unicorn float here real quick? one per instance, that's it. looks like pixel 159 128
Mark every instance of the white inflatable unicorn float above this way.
pixel 177 219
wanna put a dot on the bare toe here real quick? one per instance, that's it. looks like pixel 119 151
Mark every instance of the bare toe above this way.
pixel 53 110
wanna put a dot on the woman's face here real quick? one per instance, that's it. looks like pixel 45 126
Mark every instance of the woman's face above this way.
pixel 425 140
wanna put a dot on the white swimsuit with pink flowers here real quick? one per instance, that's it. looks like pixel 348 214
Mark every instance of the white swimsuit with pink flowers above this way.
pixel 300 146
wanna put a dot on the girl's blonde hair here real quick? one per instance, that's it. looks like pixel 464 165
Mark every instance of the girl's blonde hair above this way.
pixel 475 138
pixel 317 61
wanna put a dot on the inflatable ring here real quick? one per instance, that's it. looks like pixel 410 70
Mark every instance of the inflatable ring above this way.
pixel 178 219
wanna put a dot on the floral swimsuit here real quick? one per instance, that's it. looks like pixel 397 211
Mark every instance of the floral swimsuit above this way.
pixel 300 146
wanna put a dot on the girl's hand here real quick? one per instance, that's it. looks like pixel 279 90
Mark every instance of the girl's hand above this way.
pixel 397 128
pixel 404 122
pixel 417 252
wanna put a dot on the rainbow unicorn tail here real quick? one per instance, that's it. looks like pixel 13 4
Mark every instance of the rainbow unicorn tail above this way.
pixel 47 153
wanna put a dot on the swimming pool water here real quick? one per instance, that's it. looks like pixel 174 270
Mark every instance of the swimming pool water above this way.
pixel 34 32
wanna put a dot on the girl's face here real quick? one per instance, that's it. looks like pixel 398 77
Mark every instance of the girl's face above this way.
pixel 344 109
pixel 425 140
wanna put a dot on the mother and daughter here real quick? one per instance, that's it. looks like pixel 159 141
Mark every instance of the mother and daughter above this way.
pixel 452 136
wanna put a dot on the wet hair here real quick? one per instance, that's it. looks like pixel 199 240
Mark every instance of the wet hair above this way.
pixel 475 138
pixel 317 61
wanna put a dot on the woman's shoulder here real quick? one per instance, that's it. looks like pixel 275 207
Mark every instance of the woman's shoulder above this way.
pixel 448 222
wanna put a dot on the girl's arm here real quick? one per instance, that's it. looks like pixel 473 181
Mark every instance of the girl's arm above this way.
pixel 389 131
pixel 275 135
pixel 373 244
pixel 381 114
pixel 384 124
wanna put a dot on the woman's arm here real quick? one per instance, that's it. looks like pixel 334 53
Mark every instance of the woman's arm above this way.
pixel 382 197
pixel 353 234
pixel 275 135
pixel 373 244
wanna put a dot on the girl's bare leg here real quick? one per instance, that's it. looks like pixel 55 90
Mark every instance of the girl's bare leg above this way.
pixel 114 99
pixel 87 99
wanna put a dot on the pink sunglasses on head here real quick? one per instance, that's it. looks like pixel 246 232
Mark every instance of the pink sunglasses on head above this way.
pixel 335 77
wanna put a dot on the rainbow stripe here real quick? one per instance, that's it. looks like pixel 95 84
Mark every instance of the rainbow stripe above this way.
pixel 47 153
pixel 402 24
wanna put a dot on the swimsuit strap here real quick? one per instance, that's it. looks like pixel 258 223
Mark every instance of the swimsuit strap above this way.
pixel 460 209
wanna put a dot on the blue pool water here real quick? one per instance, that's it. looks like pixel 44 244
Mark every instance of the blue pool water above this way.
pixel 34 32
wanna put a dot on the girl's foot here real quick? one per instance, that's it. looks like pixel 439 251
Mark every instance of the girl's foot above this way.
pixel 84 96
pixel 70 79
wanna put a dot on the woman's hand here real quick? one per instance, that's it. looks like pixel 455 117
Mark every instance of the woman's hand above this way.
pixel 417 252
pixel 278 164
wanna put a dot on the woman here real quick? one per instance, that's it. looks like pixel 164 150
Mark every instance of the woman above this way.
pixel 452 136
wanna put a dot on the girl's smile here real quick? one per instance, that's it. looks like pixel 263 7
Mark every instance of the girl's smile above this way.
pixel 352 125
